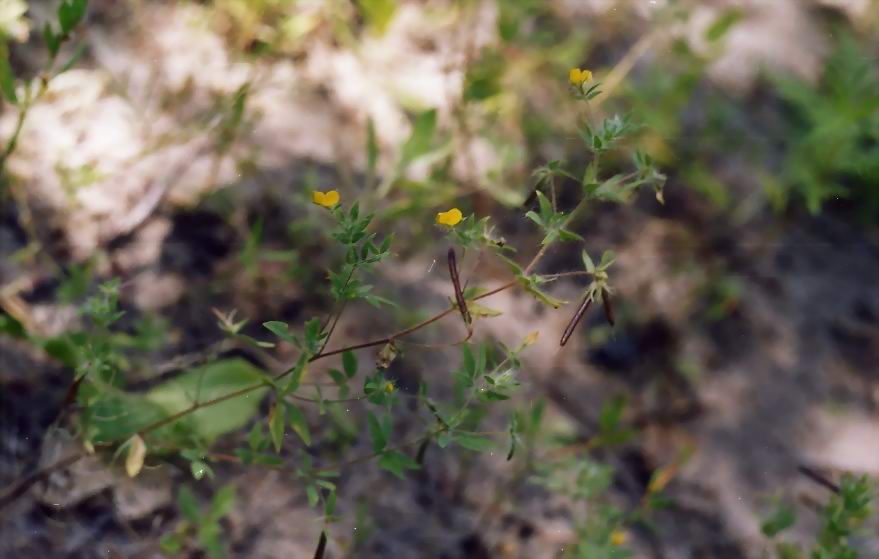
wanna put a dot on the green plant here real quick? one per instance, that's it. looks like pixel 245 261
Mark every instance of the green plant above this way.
pixel 186 414
pixel 834 147
pixel 847 509
pixel 70 13
pixel 200 529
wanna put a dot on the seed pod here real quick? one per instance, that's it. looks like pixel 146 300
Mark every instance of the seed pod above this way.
pixel 321 546
pixel 584 306
pixel 608 306
pixel 456 282
pixel 818 478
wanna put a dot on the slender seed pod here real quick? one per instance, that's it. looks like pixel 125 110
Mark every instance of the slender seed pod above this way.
pixel 818 478
pixel 321 546
pixel 584 306
pixel 608 306
pixel 456 282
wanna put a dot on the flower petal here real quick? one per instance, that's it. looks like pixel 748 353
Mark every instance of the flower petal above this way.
pixel 325 199
pixel 449 218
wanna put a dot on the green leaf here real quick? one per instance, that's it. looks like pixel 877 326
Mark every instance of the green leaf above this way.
pixel 481 359
pixel 115 417
pixel 611 414
pixel 214 380
pixel 313 495
pixel 298 423
pixel 70 13
pixel 722 25
pixel 396 462
pixel 188 504
pixel 421 139
pixel 371 148
pixel 782 518
pixel 12 327
pixel 224 500
pixel 514 437
pixel 277 425
pixel 530 214
pixel 7 79
pixel 170 544
pixel 472 441
pixel 349 363
pixel 338 377
pixel 280 329
pixel 330 504
pixel 379 438
pixel 469 362
pixel 53 41
pixel 546 211
pixel 607 258
pixel 588 263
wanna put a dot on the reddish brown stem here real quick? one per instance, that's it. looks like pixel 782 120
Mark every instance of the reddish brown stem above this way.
pixel 456 282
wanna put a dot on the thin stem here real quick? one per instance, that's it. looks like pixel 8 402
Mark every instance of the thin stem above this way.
pixel 19 488
pixel 542 252
pixel 337 314
pixel 248 389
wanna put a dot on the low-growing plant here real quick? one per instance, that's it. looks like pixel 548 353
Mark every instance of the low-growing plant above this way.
pixel 841 518
pixel 186 414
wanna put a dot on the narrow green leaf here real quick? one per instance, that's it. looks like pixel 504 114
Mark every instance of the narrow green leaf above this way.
pixel 280 329
pixel 349 363
pixel 588 263
pixel 379 441
pixel 70 13
pixel 783 518
pixel 330 504
pixel 277 425
pixel 371 148
pixel 298 423
pixel 469 362
pixel 421 139
pixel 723 24
pixel 188 504
pixel 514 437
pixel 472 441
pixel 53 42
pixel 608 258
pixel 397 463
pixel 7 79
pixel 338 377
pixel 311 492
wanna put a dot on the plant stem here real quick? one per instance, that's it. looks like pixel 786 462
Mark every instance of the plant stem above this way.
pixel 248 389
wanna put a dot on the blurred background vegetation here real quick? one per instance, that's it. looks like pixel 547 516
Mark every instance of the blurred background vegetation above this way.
pixel 175 146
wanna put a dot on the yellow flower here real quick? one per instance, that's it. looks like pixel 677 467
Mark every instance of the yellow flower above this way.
pixel 389 387
pixel 618 537
pixel 325 199
pixel 578 77
pixel 449 218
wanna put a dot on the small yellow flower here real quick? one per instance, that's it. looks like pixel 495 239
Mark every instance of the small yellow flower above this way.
pixel 325 199
pixel 449 218
pixel 618 537
pixel 578 77
pixel 389 387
